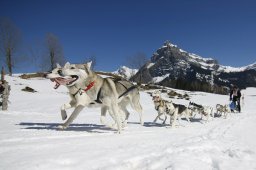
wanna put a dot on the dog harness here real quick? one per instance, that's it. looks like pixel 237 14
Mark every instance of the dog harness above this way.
pixel 161 104
pixel 86 89
pixel 127 89
pixel 99 92
pixel 89 86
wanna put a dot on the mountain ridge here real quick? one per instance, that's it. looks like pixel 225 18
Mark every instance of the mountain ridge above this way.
pixel 175 67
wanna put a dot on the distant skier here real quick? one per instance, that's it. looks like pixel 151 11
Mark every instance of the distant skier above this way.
pixel 235 96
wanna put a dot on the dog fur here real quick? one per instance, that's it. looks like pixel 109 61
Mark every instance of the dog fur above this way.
pixel 206 111
pixel 160 106
pixel 105 92
pixel 222 110
pixel 171 109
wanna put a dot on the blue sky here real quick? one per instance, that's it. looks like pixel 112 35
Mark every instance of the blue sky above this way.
pixel 113 30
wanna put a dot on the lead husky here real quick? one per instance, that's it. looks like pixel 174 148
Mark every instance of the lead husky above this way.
pixel 86 88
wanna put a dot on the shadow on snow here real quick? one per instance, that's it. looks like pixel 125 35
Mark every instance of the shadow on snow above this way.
pixel 93 128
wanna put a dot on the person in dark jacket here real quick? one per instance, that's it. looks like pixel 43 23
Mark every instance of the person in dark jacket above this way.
pixel 1 91
pixel 235 96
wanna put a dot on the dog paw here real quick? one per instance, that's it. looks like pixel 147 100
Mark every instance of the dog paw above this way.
pixel 118 132
pixel 61 127
pixel 124 125
pixel 113 126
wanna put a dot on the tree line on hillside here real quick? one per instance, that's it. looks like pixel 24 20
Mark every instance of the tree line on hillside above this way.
pixel 195 86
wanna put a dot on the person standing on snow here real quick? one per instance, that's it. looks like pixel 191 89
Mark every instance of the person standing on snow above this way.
pixel 235 96
pixel 1 92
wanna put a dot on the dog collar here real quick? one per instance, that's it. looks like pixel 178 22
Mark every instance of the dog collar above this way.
pixel 89 86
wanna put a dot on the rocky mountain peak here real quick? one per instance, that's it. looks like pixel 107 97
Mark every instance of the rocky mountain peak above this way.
pixel 170 63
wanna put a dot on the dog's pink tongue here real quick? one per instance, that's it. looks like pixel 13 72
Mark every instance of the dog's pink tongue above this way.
pixel 57 85
pixel 61 81
pixel 58 81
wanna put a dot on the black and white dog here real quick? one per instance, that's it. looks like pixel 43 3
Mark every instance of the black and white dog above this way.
pixel 206 111
pixel 169 108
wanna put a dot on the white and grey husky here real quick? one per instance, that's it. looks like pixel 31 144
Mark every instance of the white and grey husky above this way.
pixel 86 88
pixel 223 109
pixel 171 109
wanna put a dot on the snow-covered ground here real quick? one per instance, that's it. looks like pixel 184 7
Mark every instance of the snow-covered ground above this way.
pixel 29 138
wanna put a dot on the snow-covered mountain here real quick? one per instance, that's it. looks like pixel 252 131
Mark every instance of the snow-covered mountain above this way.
pixel 229 69
pixel 125 72
pixel 174 67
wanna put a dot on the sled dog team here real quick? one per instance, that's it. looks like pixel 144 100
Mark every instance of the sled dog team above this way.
pixel 87 89
pixel 177 111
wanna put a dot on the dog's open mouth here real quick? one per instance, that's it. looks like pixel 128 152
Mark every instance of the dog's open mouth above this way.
pixel 64 81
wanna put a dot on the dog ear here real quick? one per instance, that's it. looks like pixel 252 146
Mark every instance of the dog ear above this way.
pixel 88 65
pixel 57 65
pixel 67 65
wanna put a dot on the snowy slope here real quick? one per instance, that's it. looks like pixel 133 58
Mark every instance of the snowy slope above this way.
pixel 29 138
pixel 229 69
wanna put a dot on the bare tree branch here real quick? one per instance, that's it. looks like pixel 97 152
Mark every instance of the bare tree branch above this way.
pixel 137 60
pixel 10 40
pixel 54 52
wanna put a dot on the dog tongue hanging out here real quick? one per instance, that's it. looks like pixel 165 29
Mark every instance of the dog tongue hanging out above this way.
pixel 57 77
pixel 61 81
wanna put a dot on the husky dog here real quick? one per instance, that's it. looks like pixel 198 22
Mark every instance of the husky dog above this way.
pixel 169 108
pixel 86 88
pixel 222 109
pixel 160 106
pixel 206 111
pixel 177 111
